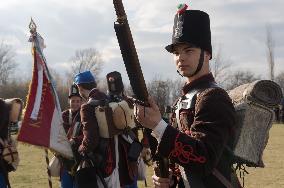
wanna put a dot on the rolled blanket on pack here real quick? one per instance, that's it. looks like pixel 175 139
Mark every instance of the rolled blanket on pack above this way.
pixel 263 92
pixel 253 103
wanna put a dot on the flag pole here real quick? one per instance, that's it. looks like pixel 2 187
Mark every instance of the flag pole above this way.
pixel 32 27
pixel 48 171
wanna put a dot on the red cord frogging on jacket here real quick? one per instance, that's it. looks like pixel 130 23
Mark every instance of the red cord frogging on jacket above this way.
pixel 185 153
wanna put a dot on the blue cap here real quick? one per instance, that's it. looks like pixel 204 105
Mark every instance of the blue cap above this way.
pixel 84 77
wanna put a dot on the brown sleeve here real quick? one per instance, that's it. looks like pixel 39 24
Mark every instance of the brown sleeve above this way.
pixel 210 132
pixel 90 129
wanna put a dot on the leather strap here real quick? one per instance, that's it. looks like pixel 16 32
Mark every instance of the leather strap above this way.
pixel 70 117
pixel 200 64
pixel 221 178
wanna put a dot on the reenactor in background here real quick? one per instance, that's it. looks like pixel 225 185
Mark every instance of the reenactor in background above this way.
pixel 10 113
pixel 89 171
pixel 72 126
pixel 128 143
pixel 201 134
pixel 104 151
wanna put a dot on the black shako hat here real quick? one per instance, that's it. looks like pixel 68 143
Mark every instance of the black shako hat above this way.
pixel 114 82
pixel 74 91
pixel 193 27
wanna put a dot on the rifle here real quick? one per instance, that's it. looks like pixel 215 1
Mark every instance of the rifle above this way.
pixel 133 68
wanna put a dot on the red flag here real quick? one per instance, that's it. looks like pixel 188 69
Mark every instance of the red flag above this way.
pixel 42 122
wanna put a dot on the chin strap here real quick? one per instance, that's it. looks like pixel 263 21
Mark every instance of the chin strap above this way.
pixel 179 73
pixel 200 64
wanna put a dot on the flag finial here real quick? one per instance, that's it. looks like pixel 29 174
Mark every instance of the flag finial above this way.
pixel 32 26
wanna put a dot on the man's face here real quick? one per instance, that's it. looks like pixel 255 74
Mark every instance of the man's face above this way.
pixel 75 103
pixel 84 94
pixel 186 58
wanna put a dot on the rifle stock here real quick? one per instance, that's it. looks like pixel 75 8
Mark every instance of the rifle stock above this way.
pixel 132 65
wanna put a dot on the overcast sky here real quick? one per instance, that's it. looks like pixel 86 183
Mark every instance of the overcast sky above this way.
pixel 238 26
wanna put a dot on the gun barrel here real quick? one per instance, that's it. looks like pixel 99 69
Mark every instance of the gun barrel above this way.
pixel 132 65
pixel 131 61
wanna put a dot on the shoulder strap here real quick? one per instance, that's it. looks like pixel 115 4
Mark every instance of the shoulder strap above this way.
pixel 95 102
pixel 2 142
pixel 207 85
pixel 200 89
pixel 222 179
pixel 70 117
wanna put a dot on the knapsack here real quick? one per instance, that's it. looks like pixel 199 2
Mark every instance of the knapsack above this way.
pixel 113 117
pixel 253 103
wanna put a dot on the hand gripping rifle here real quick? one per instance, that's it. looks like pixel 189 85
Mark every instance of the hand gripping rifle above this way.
pixel 133 68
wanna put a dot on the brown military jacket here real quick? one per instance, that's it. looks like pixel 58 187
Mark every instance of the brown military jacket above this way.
pixel 207 129
pixel 91 139
pixel 89 122
pixel 68 123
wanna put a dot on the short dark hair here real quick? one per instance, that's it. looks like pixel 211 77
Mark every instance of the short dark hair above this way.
pixel 88 86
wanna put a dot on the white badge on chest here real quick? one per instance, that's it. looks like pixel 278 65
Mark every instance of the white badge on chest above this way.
pixel 185 102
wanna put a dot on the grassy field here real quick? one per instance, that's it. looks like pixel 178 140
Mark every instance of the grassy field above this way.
pixel 31 172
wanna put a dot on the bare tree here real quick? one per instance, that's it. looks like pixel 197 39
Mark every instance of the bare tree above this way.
pixel 175 89
pixel 280 80
pixel 240 77
pixel 16 88
pixel 7 63
pixel 85 59
pixel 128 90
pixel 61 88
pixel 219 66
pixel 270 51
pixel 160 90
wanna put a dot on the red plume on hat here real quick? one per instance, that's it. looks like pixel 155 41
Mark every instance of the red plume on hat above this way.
pixel 182 8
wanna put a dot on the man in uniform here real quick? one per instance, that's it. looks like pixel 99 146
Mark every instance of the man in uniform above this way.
pixel 71 123
pixel 72 115
pixel 89 145
pixel 109 154
pixel 127 138
pixel 101 150
pixel 10 113
pixel 201 132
